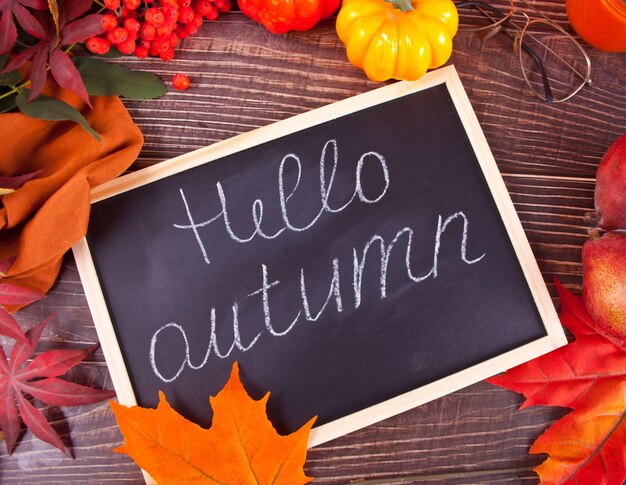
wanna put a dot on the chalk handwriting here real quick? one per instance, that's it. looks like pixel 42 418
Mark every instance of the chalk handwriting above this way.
pixel 358 264
pixel 326 188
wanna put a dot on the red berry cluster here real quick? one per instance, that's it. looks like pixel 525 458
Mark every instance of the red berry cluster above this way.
pixel 152 27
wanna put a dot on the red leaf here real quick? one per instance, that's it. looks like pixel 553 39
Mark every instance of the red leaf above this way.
pixel 11 294
pixel 10 327
pixel 49 49
pixel 38 72
pixel 66 74
pixel 15 183
pixel 589 375
pixel 57 392
pixel 6 264
pixel 36 4
pixel 8 32
pixel 9 421
pixel 81 29
pixel 37 423
pixel 53 363
pixel 29 23
pixel 38 378
pixel 561 378
pixel 23 350
pixel 18 61
pixel 72 9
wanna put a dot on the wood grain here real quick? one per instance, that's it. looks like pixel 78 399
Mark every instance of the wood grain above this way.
pixel 244 77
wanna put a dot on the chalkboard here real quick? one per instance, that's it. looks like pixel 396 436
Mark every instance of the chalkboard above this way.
pixel 356 260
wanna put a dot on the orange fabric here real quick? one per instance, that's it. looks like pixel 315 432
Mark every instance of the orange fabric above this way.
pixel 41 220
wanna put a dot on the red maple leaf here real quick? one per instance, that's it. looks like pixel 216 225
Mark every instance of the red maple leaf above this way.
pixel 39 378
pixel 589 376
pixel 12 295
pixel 11 10
pixel 15 182
pixel 48 50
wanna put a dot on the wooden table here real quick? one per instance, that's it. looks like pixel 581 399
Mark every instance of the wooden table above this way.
pixel 244 77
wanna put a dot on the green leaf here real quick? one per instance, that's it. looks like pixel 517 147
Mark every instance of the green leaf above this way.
pixel 8 103
pixel 112 54
pixel 46 108
pixel 106 79
pixel 8 78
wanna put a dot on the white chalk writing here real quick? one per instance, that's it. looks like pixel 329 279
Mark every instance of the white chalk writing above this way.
pixel 257 206
pixel 334 292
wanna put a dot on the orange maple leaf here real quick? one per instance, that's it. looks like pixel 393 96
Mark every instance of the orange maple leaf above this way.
pixel 241 447
pixel 587 446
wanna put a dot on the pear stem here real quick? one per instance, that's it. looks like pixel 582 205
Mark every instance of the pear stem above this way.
pixel 593 233
pixel 592 217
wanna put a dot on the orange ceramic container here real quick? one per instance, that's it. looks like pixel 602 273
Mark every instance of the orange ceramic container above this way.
pixel 601 23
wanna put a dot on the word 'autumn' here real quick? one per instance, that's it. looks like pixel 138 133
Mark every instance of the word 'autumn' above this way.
pixel 335 292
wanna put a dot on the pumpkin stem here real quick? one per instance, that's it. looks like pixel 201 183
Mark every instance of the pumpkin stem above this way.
pixel 402 5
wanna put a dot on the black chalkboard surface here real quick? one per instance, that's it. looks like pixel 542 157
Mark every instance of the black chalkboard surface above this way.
pixel 356 261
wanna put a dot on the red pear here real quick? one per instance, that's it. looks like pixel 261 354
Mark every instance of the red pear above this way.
pixel 604 281
pixel 610 193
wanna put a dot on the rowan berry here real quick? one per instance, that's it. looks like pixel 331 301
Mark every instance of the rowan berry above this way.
pixel 117 35
pixel 128 13
pixel 223 5
pixel 154 16
pixel 181 32
pixel 98 45
pixel 180 81
pixel 132 25
pixel 144 43
pixel 185 15
pixel 206 9
pixel 141 52
pixel 108 22
pixel 191 29
pixel 184 3
pixel 167 55
pixel 127 47
pixel 164 30
pixel 112 4
pixel 173 38
pixel 170 12
pixel 131 4
pixel 160 44
pixel 147 31
pixel 169 3
pixel 197 20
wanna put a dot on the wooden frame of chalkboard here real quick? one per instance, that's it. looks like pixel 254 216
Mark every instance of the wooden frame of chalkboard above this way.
pixel 531 291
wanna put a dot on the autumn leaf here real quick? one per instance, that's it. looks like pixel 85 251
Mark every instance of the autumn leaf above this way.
pixel 39 379
pixel 15 182
pixel 11 10
pixel 48 51
pixel 13 295
pixel 241 446
pixel 589 444
pixel 588 375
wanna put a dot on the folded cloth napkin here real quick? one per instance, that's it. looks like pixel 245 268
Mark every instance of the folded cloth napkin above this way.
pixel 43 218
